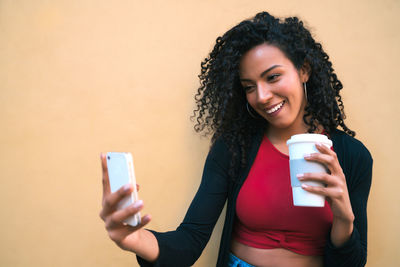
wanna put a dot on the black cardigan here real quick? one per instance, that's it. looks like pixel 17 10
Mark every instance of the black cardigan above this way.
pixel 184 246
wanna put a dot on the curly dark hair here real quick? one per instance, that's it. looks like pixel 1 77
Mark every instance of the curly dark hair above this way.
pixel 221 100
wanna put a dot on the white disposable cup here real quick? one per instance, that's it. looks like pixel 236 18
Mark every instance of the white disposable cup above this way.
pixel 300 145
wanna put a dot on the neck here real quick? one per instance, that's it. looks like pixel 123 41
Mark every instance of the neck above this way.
pixel 282 135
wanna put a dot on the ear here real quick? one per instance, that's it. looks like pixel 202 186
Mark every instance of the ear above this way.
pixel 305 72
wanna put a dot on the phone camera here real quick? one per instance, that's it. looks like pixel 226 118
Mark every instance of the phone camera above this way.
pixel 108 157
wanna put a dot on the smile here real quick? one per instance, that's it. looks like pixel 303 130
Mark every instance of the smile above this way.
pixel 275 108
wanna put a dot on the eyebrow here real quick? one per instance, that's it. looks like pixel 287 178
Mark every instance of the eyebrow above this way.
pixel 263 73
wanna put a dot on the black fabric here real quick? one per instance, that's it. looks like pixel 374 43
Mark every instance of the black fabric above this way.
pixel 183 246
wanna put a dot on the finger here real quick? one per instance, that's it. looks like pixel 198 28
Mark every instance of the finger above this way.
pixel 315 189
pixel 145 220
pixel 137 187
pixel 319 157
pixel 111 200
pixel 329 160
pixel 324 149
pixel 106 182
pixel 120 216
pixel 320 177
pixel 330 192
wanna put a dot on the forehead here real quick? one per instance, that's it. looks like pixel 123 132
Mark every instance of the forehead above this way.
pixel 260 58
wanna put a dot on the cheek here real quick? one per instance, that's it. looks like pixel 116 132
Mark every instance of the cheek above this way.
pixel 251 98
pixel 292 90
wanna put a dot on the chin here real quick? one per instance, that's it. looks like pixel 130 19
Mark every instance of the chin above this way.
pixel 280 125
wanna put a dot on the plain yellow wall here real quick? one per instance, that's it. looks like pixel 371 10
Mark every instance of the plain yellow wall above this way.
pixel 78 77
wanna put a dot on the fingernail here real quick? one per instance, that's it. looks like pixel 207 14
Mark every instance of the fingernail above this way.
pixel 127 187
pixel 307 155
pixel 138 203
pixel 304 186
pixel 300 175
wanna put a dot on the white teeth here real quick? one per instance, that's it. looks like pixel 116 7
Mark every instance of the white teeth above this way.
pixel 269 111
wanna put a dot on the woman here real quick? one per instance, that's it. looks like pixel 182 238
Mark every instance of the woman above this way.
pixel 265 80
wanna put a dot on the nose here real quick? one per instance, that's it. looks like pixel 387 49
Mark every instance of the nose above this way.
pixel 264 93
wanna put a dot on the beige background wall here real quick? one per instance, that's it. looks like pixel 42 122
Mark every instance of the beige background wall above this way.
pixel 78 77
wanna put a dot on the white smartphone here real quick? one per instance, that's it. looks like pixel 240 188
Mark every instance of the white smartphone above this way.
pixel 120 173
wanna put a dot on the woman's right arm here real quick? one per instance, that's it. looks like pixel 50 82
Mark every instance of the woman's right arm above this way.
pixel 136 239
pixel 183 246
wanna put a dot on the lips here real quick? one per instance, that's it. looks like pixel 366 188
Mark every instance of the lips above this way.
pixel 274 108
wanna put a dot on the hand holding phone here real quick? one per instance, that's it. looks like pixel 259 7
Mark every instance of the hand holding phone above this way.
pixel 135 239
pixel 121 172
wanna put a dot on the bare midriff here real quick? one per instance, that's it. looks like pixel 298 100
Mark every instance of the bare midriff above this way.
pixel 277 257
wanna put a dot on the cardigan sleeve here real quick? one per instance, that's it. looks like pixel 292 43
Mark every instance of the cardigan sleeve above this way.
pixel 184 246
pixel 357 166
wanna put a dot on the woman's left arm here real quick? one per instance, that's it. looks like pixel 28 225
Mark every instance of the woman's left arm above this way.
pixel 348 238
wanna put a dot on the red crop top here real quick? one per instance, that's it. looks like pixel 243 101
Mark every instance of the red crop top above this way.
pixel 266 216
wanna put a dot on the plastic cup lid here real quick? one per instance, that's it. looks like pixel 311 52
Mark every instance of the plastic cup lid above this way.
pixel 312 138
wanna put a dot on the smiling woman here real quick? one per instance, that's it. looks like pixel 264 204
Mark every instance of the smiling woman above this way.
pixel 274 89
pixel 265 80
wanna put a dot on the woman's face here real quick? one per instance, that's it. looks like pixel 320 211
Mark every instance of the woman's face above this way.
pixel 274 87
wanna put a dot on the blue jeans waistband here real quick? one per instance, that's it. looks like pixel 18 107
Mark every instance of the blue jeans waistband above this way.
pixel 236 262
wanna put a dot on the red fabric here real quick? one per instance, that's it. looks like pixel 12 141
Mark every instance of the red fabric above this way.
pixel 266 216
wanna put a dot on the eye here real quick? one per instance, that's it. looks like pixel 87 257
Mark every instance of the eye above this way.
pixel 249 88
pixel 273 77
